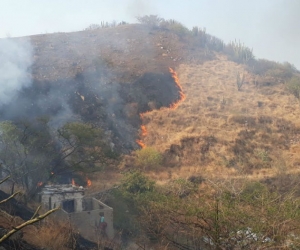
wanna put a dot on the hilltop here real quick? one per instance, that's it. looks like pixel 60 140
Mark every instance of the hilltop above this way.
pixel 181 106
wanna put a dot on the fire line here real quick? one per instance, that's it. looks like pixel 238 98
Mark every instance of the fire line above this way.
pixel 173 106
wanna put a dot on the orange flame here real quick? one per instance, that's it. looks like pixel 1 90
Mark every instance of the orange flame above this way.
pixel 144 130
pixel 172 106
pixel 88 182
pixel 73 182
pixel 40 183
pixel 181 94
pixel 140 143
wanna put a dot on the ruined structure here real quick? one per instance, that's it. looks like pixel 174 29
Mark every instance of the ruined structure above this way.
pixel 83 212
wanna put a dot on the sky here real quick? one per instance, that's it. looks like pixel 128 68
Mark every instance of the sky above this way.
pixel 270 27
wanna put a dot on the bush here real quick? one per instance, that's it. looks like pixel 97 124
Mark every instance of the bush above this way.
pixel 136 182
pixel 180 188
pixel 175 27
pixel 151 20
pixel 270 68
pixel 148 158
pixel 293 86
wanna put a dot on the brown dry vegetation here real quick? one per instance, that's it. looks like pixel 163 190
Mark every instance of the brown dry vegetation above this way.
pixel 128 51
pixel 220 132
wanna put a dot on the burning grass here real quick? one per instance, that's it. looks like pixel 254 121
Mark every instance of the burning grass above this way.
pixel 251 126
pixel 173 106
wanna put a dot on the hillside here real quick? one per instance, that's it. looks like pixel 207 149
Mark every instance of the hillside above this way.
pixel 117 70
pixel 220 132
pixel 200 118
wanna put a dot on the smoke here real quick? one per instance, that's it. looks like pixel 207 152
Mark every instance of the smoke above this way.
pixel 15 63
pixel 140 8
pixel 278 29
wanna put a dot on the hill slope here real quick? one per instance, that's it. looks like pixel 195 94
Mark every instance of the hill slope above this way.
pixel 110 76
pixel 121 79
pixel 220 131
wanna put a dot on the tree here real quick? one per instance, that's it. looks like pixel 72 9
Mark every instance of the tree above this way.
pixel 151 20
pixel 249 216
pixel 26 151
pixel 32 154
pixel 83 146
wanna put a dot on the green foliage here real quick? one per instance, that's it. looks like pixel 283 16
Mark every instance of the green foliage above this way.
pixel 26 150
pixel 30 152
pixel 252 192
pixel 250 217
pixel 148 158
pixel 83 146
pixel 293 86
pixel 128 199
pixel 136 182
pixel 81 133
pixel 124 214
pixel 8 131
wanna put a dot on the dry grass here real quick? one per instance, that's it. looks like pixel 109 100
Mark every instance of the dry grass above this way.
pixel 103 180
pixel 50 234
pixel 251 127
pixel 46 234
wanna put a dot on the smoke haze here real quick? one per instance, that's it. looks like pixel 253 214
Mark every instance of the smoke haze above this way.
pixel 271 28
pixel 15 62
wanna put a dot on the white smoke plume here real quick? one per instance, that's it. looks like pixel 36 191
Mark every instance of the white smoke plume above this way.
pixel 15 62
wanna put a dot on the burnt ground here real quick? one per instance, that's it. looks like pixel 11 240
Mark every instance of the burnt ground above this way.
pixel 105 76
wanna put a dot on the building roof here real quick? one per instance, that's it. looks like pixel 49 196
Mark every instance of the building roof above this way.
pixel 62 188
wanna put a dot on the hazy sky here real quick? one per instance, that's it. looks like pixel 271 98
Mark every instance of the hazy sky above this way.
pixel 270 27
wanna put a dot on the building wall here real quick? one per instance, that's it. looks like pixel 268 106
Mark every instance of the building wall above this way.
pixel 58 198
pixel 87 222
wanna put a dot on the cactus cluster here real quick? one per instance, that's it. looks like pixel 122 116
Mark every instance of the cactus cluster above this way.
pixel 207 40
pixel 239 52
pixel 240 79
pixel 103 25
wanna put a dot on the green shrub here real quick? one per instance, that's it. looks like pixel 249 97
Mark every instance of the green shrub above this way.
pixel 293 86
pixel 175 27
pixel 136 182
pixel 148 158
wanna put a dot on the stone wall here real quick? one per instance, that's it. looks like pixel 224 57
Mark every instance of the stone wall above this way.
pixel 87 221
pixel 53 200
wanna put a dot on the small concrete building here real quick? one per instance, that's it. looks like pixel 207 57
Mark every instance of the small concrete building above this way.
pixel 83 212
